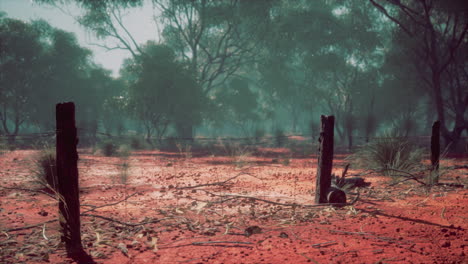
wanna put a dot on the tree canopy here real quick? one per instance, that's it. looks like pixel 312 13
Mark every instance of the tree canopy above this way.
pixel 219 65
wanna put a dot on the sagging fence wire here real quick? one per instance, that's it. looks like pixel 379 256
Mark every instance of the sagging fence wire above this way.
pixel 278 140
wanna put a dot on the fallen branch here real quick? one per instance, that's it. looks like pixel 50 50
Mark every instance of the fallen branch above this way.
pixel 458 167
pixel 125 223
pixel 221 242
pixel 29 190
pixel 90 215
pixel 215 244
pixel 325 244
pixel 310 259
pixel 406 175
pixel 386 239
pixel 455 185
pixel 283 204
pixel 215 183
pixel 106 205
pixel 29 226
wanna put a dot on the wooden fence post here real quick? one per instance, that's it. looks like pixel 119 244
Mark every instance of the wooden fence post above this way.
pixel 435 153
pixel 67 178
pixel 324 193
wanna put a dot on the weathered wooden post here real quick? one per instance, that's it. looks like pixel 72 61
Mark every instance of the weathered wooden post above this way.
pixel 67 178
pixel 435 153
pixel 324 193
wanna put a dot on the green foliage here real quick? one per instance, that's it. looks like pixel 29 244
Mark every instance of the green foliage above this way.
pixel 40 66
pixel 389 155
pixel 162 90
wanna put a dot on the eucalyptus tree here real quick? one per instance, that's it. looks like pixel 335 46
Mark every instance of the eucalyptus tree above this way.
pixel 239 103
pixel 162 91
pixel 319 58
pixel 21 59
pixel 213 37
pixel 432 33
pixel 40 66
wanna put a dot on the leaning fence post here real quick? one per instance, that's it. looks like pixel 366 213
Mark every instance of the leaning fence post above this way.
pixel 435 153
pixel 67 178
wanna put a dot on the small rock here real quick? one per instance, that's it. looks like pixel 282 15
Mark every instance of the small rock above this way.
pixel 283 235
pixel 446 244
pixel 252 230
pixel 43 213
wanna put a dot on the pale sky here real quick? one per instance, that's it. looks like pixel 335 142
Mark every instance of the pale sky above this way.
pixel 139 22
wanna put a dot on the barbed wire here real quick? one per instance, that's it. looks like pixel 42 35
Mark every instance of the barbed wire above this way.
pixel 29 135
pixel 253 140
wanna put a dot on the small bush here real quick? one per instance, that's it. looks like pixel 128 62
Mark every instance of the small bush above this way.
pixel 136 143
pixel 109 149
pixel 280 138
pixel 389 155
pixel 239 154
pixel 185 150
pixel 259 134
pixel 124 170
pixel 3 148
pixel 286 161
pixel 46 170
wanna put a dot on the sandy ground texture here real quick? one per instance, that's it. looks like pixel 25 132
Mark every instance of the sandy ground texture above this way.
pixel 161 207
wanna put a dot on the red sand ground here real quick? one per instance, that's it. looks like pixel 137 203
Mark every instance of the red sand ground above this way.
pixel 405 223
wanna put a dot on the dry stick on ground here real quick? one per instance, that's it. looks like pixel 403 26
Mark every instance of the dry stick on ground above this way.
pixel 407 175
pixel 282 204
pixel 29 226
pixel 91 215
pixel 94 207
pixel 221 242
pixel 381 238
pixel 212 202
pixel 215 243
pixel 29 190
pixel 217 183
pixel 126 223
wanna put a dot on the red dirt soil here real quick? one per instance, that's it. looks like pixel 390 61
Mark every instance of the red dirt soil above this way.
pixel 404 223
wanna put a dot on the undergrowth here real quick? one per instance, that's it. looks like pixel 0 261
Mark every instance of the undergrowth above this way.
pixel 45 169
pixel 389 155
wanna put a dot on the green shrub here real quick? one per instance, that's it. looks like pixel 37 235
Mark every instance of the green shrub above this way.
pixel 389 155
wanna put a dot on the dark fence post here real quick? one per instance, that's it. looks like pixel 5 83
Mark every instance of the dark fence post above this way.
pixel 325 159
pixel 324 193
pixel 435 153
pixel 67 174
